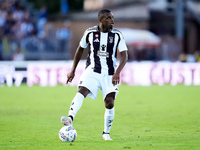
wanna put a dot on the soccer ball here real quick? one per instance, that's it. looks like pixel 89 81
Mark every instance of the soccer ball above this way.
pixel 67 134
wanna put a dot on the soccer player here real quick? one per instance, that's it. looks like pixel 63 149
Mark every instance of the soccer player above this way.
pixel 101 71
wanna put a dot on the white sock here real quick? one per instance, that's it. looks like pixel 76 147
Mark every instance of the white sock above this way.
pixel 76 104
pixel 108 119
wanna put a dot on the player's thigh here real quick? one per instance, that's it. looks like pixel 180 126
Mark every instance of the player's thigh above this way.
pixel 90 81
pixel 108 87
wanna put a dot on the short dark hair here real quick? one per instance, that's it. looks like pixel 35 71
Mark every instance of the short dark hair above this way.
pixel 102 12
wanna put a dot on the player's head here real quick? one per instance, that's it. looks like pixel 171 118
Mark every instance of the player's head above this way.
pixel 106 18
pixel 102 13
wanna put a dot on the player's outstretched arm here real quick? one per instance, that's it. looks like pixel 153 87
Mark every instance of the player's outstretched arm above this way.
pixel 77 57
pixel 123 60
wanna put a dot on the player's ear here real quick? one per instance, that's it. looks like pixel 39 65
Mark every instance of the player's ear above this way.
pixel 101 18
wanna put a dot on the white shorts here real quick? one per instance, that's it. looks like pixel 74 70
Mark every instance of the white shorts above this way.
pixel 95 81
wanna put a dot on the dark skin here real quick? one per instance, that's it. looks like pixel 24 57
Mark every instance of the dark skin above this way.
pixel 106 24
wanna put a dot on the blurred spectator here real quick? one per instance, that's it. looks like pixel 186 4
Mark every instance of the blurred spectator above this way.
pixel 42 19
pixel 3 14
pixel 49 42
pixel 63 34
pixel 18 14
pixel 18 55
pixel 191 58
pixel 197 56
pixel 9 22
pixel 16 30
pixel 27 14
pixel 183 57
pixel 26 27
pixel 23 29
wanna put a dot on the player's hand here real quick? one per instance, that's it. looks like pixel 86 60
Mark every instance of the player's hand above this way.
pixel 70 77
pixel 115 79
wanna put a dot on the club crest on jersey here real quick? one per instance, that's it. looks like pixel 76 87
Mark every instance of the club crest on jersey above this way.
pixel 96 35
pixel 110 39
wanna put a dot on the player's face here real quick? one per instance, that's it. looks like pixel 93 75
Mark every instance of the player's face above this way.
pixel 108 20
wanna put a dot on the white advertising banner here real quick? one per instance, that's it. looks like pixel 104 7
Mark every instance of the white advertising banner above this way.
pixel 51 74
pixel 134 73
pixel 10 76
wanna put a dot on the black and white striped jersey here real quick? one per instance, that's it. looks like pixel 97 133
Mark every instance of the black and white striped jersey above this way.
pixel 103 49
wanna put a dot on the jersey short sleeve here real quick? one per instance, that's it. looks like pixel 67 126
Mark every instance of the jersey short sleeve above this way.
pixel 122 45
pixel 83 42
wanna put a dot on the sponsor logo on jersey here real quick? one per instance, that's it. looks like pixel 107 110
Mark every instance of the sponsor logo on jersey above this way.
pixel 102 54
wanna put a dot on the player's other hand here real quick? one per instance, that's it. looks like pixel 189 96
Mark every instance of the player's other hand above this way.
pixel 70 77
pixel 115 79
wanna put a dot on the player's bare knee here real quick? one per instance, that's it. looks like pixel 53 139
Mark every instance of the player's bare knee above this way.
pixel 84 91
pixel 109 102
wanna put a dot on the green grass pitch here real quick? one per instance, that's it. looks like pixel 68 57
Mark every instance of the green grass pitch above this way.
pixel 154 117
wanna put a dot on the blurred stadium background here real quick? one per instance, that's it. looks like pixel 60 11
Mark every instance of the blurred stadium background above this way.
pixel 47 32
